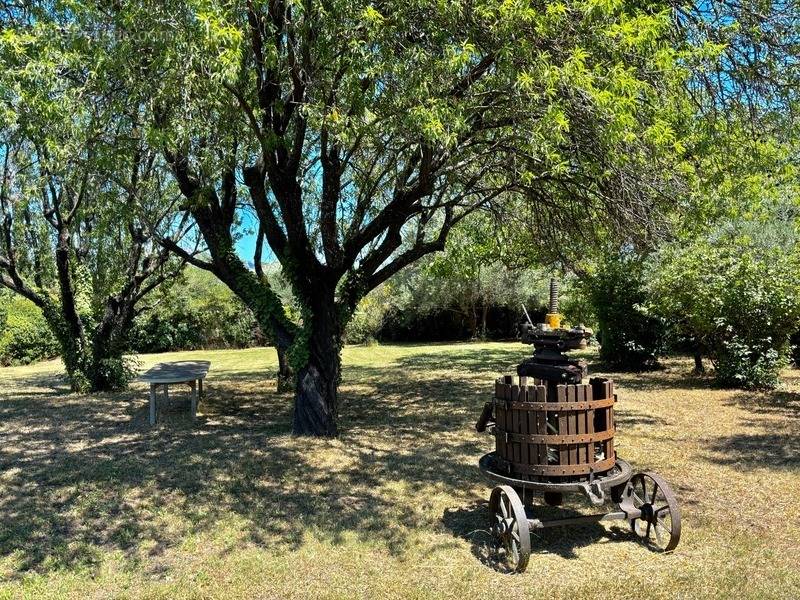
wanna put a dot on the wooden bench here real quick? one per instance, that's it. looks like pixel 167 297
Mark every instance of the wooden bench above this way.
pixel 190 372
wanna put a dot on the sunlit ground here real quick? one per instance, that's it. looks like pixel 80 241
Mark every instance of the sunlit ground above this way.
pixel 95 503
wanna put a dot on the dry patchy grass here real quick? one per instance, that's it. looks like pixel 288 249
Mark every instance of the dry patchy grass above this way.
pixel 94 503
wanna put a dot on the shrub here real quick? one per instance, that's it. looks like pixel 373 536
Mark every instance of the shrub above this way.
pixel 369 316
pixel 794 345
pixel 630 337
pixel 25 336
pixel 739 300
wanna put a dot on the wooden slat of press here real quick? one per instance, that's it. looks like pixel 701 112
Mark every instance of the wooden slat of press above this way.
pixel 541 423
pixel 529 451
pixel 509 419
pixel 514 425
pixel 563 453
pixel 600 391
pixel 498 414
pixel 500 417
pixel 604 418
pixel 610 421
pixel 509 380
pixel 590 424
pixel 582 448
pixel 533 449
pixel 572 423
pixel 523 420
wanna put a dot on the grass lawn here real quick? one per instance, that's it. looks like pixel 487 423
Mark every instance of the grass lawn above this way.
pixel 94 503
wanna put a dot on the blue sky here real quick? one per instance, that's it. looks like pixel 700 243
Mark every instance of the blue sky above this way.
pixel 247 244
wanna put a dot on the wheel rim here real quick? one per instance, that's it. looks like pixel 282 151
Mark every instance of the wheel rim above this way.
pixel 508 524
pixel 660 522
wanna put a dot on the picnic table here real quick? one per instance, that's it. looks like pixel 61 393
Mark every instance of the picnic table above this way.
pixel 190 372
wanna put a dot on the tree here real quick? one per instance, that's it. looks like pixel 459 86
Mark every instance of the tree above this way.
pixel 79 194
pixel 215 218
pixel 362 134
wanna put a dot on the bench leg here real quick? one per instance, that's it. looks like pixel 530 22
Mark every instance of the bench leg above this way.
pixel 200 388
pixel 194 399
pixel 152 404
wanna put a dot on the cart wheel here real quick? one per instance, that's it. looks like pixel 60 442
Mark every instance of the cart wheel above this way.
pixel 509 526
pixel 660 523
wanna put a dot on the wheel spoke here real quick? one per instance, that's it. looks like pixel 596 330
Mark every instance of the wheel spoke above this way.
pixel 659 537
pixel 660 511
pixel 512 535
pixel 662 521
pixel 515 553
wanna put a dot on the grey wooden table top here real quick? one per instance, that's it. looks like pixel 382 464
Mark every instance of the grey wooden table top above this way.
pixel 176 372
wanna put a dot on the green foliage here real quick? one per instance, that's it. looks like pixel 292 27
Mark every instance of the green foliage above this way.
pixel 575 304
pixel 25 336
pixel 200 312
pixel 369 316
pixel 81 194
pixel 112 372
pixel 388 140
pixel 629 336
pixel 794 348
pixel 476 273
pixel 736 295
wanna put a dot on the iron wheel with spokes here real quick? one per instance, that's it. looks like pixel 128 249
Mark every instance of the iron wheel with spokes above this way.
pixel 508 524
pixel 660 522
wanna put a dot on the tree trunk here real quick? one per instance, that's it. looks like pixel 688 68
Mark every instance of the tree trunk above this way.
pixel 472 315
pixel 484 316
pixel 285 373
pixel 316 402
pixel 264 303
pixel 699 369
pixel 108 370
pixel 65 321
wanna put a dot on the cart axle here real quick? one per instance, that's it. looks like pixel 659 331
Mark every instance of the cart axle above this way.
pixel 619 515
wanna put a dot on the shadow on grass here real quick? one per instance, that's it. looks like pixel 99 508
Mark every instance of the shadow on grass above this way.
pixel 764 450
pixel 81 476
pixel 659 380
pixel 777 446
pixel 781 403
pixel 84 476
pixel 632 418
pixel 41 386
pixel 500 360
